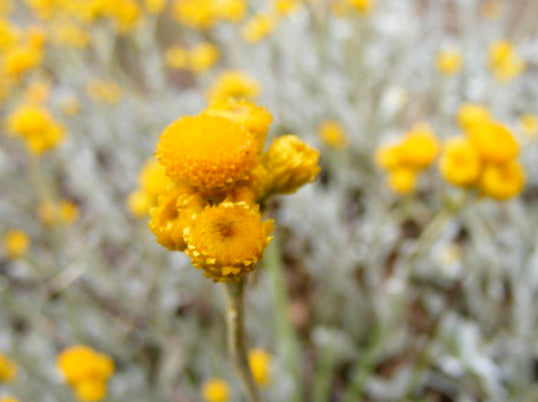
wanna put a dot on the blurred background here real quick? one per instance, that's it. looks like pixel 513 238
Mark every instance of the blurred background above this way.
pixel 386 280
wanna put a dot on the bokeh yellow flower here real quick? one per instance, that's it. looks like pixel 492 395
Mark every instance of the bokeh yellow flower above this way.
pixel 460 164
pixel 504 61
pixel 202 57
pixel 15 243
pixel 260 366
pixel 502 181
pixel 402 180
pixel 8 369
pixel 449 62
pixel 493 142
pixel 258 28
pixel 216 390
pixel 333 134
pixel 529 124
pixel 234 84
pixel 419 147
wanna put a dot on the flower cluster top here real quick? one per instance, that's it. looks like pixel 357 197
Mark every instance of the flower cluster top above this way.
pixel 221 175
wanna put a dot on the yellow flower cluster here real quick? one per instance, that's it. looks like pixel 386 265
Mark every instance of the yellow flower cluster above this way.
pixel 198 59
pixel 152 181
pixel 504 61
pixel 216 390
pixel 485 157
pixel 51 213
pixel 8 369
pixel 221 176
pixel 260 366
pixel 405 159
pixel 234 84
pixel 15 243
pixel 35 125
pixel 87 371
pixel 449 62
pixel 205 14
pixel 333 134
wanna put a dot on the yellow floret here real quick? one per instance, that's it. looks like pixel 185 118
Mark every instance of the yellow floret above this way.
pixel 227 240
pixel 460 163
pixel 234 84
pixel 333 134
pixel 291 163
pixel 155 6
pixel 493 142
pixel 286 7
pixel 216 390
pixel 20 59
pixel 470 114
pixel 502 181
pixel 202 57
pixel 153 179
pixel 80 363
pixel 449 62
pixel 504 61
pixel 419 147
pixel 253 118
pixel 172 214
pixel 90 389
pixel 16 243
pixel 176 57
pixel 139 203
pixel 387 156
pixel 402 180
pixel 209 153
pixel 231 10
pixel 260 365
pixel 362 6
pixel 258 28
pixel 8 369
pixel 200 14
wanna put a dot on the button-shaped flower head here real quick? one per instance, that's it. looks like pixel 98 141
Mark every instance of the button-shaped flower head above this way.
pixel 209 153
pixel 227 240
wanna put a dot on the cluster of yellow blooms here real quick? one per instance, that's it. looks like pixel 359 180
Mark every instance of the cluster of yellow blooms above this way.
pixel 405 159
pixel 218 390
pixel 504 60
pixel 51 213
pixel 220 176
pixel 152 181
pixel 87 371
pixel 15 243
pixel 484 158
pixel 8 369
pixel 198 59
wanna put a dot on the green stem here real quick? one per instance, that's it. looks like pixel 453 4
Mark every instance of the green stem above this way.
pixel 237 344
pixel 288 343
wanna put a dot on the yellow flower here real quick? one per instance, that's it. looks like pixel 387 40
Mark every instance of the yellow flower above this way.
pixel 460 164
pixel 139 203
pixel 529 124
pixel 286 7
pixel 20 59
pixel 200 14
pixel 216 390
pixel 173 213
pixel 258 28
pixel 332 134
pixel 155 6
pixel 80 363
pixel 504 61
pixel 362 6
pixel 65 212
pixel 9 34
pixel 387 156
pixel 8 399
pixel 69 211
pixel 153 179
pixel 176 57
pixel 234 84
pixel 470 114
pixel 90 389
pixel 8 369
pixel 260 365
pixel 16 243
pixel 402 180
pixel 227 240
pixel 449 62
pixel 36 126
pixel 419 147
pixel 291 163
pixel 104 91
pixel 202 57
pixel 502 181
pixel 125 14
pixel 230 10
pixel 209 153
pixel 253 118
pixel 493 142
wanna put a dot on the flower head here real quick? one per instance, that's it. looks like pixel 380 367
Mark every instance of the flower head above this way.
pixel 216 390
pixel 291 163
pixel 234 84
pixel 502 181
pixel 493 142
pixel 209 153
pixel 460 163
pixel 227 240
pixel 260 365
pixel 333 134
pixel 258 28
pixel 16 243
pixel 504 61
pixel 449 62
pixel 8 369
pixel 470 114
pixel 419 147
pixel 402 180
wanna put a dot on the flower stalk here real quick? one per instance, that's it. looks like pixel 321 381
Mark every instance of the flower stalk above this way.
pixel 237 340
